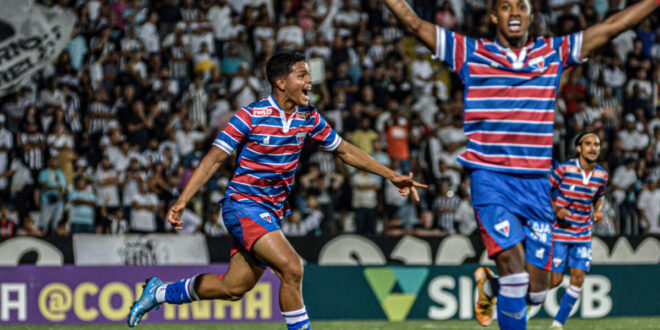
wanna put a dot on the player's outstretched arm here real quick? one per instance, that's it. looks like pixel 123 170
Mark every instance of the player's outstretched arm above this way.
pixel 421 29
pixel 598 35
pixel 200 176
pixel 356 157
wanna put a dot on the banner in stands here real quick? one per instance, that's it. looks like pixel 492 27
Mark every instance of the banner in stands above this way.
pixel 72 294
pixel 343 250
pixel 31 36
pixel 398 293
pixel 144 250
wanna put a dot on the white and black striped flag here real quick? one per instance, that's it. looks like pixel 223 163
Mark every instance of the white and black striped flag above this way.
pixel 31 36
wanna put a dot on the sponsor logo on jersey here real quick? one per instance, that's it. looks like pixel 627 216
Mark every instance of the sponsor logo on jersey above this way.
pixel 599 174
pixel 503 227
pixel 262 112
pixel 302 115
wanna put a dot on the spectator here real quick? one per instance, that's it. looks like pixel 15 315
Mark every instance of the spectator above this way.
pixel 464 216
pixel 397 140
pixel 143 214
pixel 106 179
pixel 243 87
pixel 215 227
pixel 117 223
pixel 7 226
pixel 290 37
pixel 445 206
pixel 29 229
pixel 81 206
pixel 365 187
pixel 633 141
pixel 52 184
pixel 6 145
pixel 648 205
pixel 365 136
pixel 427 227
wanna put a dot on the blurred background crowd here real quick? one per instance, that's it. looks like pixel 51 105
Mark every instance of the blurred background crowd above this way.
pixel 104 139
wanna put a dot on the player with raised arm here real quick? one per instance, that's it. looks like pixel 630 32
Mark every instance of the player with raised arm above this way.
pixel 268 136
pixel 511 86
pixel 578 193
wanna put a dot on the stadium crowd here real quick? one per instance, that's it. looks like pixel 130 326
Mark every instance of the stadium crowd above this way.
pixel 105 138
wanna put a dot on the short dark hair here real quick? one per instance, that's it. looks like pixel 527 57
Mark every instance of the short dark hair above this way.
pixel 280 65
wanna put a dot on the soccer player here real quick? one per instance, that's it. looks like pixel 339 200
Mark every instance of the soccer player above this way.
pixel 579 186
pixel 511 84
pixel 268 136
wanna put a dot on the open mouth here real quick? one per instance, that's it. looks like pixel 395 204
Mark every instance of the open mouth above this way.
pixel 515 25
pixel 305 93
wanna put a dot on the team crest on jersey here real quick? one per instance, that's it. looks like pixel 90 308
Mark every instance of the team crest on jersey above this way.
pixel 300 137
pixel 265 216
pixel 262 112
pixel 503 227
pixel 537 64
pixel 599 174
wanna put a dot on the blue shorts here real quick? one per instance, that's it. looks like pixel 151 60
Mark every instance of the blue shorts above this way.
pixel 247 221
pixel 511 209
pixel 578 256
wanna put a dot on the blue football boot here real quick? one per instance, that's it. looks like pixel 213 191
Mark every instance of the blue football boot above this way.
pixel 146 302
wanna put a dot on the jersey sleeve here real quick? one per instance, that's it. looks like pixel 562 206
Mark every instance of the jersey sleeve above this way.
pixel 450 48
pixel 601 190
pixel 569 48
pixel 236 131
pixel 556 176
pixel 323 135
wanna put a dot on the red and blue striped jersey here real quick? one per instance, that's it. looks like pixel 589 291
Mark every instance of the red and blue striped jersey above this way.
pixel 578 191
pixel 268 144
pixel 509 97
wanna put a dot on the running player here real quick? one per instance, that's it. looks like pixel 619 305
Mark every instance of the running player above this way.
pixel 579 186
pixel 511 85
pixel 267 136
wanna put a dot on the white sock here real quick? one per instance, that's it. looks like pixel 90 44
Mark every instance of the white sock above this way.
pixel 160 293
pixel 293 317
pixel 573 291
pixel 556 323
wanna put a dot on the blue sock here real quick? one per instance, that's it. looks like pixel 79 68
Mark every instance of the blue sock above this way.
pixel 180 292
pixel 570 297
pixel 511 304
pixel 297 319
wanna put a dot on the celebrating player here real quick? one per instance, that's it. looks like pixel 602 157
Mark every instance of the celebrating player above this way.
pixel 579 186
pixel 268 137
pixel 511 87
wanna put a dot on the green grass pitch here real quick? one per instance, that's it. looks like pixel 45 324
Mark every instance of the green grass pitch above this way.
pixel 581 324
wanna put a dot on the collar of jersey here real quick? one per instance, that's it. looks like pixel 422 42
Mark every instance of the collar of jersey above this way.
pixel 585 177
pixel 517 60
pixel 286 123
